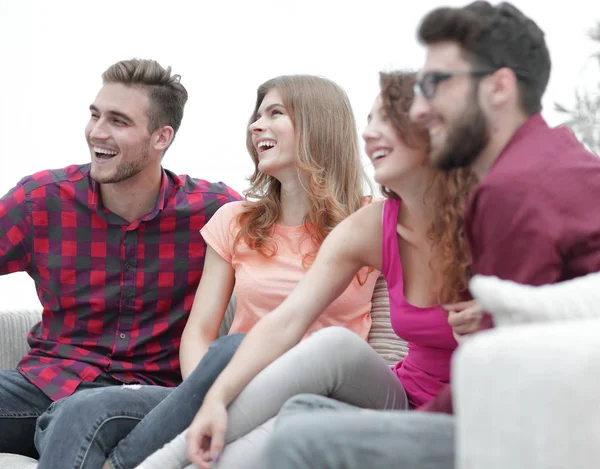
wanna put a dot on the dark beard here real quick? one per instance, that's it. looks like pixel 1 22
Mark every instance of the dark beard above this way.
pixel 466 141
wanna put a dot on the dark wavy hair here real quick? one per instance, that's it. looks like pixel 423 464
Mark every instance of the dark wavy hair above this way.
pixel 447 194
pixel 496 37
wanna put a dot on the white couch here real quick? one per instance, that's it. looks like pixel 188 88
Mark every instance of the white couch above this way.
pixel 527 397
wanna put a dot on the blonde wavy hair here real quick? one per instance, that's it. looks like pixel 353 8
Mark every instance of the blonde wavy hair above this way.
pixel 327 158
pixel 447 193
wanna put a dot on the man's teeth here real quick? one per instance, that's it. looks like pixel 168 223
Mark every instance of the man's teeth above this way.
pixel 380 154
pixel 104 151
pixel 434 131
pixel 266 144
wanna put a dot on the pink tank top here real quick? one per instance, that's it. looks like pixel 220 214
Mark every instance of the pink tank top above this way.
pixel 426 368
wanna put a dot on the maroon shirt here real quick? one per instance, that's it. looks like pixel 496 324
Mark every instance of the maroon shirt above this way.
pixel 115 295
pixel 534 218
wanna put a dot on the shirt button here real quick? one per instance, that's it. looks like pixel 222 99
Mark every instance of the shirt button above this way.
pixel 128 267
pixel 122 336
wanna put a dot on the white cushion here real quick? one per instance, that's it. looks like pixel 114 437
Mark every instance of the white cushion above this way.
pixel 16 461
pixel 511 303
pixel 14 326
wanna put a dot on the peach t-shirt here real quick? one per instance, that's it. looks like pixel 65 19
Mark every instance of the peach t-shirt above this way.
pixel 262 283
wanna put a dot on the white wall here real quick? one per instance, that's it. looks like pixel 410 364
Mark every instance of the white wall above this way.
pixel 54 51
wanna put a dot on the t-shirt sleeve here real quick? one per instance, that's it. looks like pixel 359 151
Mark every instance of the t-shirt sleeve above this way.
pixel 220 231
pixel 514 237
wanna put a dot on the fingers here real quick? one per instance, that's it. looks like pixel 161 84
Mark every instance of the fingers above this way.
pixel 201 459
pixel 218 441
pixel 458 306
pixel 198 448
pixel 474 311
pixel 466 321
pixel 459 338
pixel 466 327
pixel 204 447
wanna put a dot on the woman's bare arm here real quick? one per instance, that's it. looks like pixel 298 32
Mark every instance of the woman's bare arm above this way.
pixel 210 303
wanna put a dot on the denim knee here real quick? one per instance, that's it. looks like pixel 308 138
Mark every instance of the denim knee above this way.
pixel 89 403
pixel 303 403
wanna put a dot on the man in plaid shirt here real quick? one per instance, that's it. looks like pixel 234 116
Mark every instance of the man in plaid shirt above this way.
pixel 115 252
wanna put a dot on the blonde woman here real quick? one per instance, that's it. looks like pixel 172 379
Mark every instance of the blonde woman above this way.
pixel 308 177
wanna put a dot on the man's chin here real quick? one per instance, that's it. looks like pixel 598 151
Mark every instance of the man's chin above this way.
pixel 101 177
pixel 446 162
pixel 438 158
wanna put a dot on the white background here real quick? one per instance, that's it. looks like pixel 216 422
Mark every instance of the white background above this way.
pixel 53 53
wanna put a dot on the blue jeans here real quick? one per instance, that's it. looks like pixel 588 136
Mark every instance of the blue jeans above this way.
pixel 126 424
pixel 21 403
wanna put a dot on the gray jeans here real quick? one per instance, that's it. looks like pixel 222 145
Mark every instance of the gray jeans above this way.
pixel 332 362
pixel 314 432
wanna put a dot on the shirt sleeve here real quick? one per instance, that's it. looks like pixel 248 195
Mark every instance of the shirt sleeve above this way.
pixel 233 195
pixel 15 231
pixel 220 231
pixel 514 236
pixel 228 196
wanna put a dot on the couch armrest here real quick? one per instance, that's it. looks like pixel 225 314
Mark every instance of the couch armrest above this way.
pixel 14 326
pixel 16 461
pixel 526 397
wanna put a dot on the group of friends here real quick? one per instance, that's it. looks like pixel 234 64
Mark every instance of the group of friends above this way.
pixel 135 267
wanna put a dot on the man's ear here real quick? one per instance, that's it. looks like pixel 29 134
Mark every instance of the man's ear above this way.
pixel 502 87
pixel 162 138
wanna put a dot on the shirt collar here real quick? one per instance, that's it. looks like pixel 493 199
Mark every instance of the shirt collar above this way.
pixel 529 127
pixel 111 218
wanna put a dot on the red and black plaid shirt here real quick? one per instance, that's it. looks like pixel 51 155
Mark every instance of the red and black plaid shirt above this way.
pixel 116 295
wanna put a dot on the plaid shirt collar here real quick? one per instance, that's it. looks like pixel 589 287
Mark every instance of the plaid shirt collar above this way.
pixel 115 219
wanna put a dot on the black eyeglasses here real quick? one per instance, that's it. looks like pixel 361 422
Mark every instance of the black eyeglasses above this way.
pixel 429 82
